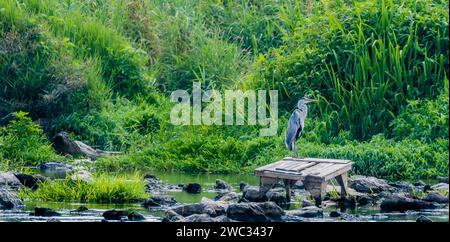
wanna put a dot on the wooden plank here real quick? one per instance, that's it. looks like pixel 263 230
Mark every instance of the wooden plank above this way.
pixel 289 165
pixel 331 169
pixel 318 160
pixel 268 166
pixel 301 165
pixel 314 170
pixel 283 175
pixel 285 164
pixel 338 172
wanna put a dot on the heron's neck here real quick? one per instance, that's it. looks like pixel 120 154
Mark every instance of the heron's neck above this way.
pixel 303 108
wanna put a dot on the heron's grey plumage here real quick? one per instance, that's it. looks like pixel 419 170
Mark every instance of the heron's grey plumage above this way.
pixel 296 125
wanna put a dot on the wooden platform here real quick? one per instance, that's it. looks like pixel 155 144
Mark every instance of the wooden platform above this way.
pixel 313 172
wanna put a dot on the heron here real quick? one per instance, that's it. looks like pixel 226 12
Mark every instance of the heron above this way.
pixel 296 123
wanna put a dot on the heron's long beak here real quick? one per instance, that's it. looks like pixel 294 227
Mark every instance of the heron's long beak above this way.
pixel 307 100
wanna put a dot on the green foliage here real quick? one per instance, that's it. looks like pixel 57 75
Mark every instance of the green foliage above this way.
pixel 363 60
pixel 425 120
pixel 40 74
pixel 102 189
pixel 93 68
pixel 22 142
pixel 121 125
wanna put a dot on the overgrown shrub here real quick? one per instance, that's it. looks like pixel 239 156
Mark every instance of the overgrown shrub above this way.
pixel 362 59
pixel 23 143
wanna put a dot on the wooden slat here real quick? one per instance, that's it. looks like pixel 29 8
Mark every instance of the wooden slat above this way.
pixel 337 172
pixel 300 166
pixel 315 169
pixel 293 164
pixel 268 166
pixel 319 160
pixel 331 169
pixel 307 165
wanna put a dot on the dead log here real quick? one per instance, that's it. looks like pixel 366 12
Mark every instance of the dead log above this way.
pixel 63 144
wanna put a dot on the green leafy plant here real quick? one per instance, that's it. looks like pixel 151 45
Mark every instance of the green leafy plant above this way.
pixel 23 142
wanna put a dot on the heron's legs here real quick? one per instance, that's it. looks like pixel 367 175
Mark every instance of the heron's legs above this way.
pixel 295 150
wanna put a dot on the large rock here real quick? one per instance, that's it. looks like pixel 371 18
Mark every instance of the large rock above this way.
pixel 30 181
pixel 277 197
pixel 369 185
pixel 222 185
pixel 306 212
pixel 63 144
pixel 9 181
pixel 402 186
pixel 55 169
pixel 242 186
pixel 402 203
pixel 363 199
pixel 442 187
pixel 44 212
pixel 230 197
pixel 210 208
pixel 157 200
pixel 134 216
pixel 9 200
pixel 193 188
pixel 255 212
pixel 172 216
pixel 252 194
pixel 115 214
pixel 435 197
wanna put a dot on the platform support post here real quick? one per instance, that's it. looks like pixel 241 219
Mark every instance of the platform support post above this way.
pixel 342 181
pixel 266 183
pixel 317 189
pixel 287 185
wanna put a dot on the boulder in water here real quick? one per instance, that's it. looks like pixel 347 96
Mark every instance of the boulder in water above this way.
pixel 193 188
pixel 44 212
pixel 9 181
pixel 369 184
pixel 255 212
pixel 115 214
pixel 222 185
pixel 9 199
pixel 402 203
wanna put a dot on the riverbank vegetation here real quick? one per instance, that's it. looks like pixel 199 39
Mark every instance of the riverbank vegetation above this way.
pixel 103 188
pixel 104 70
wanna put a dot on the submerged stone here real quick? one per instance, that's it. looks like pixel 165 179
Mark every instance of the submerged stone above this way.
pixel 44 212
pixel 402 203
pixel 193 188
pixel 115 214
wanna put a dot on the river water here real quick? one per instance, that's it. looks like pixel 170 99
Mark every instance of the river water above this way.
pixel 207 181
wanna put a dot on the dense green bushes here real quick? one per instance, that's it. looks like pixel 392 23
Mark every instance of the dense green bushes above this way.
pixel 101 70
pixel 23 143
pixel 362 59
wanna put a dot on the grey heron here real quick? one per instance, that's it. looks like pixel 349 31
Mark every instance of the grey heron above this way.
pixel 296 123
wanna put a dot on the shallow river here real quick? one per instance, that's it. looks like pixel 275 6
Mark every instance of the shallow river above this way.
pixel 207 181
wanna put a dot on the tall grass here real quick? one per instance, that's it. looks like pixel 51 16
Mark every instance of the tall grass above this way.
pixel 102 189
pixel 363 60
